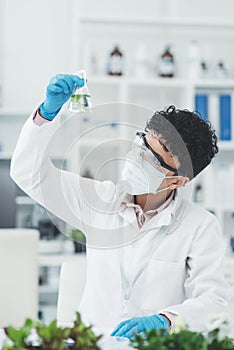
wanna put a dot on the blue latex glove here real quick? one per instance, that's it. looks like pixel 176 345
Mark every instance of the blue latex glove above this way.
pixel 58 92
pixel 135 325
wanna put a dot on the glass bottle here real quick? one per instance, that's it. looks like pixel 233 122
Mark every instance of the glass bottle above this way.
pixel 221 70
pixel 204 70
pixel 115 63
pixel 167 64
pixel 80 99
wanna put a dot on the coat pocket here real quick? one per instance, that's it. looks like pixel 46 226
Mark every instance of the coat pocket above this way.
pixel 162 285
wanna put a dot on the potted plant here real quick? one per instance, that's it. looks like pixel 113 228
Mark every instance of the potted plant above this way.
pixel 38 336
pixel 79 241
pixel 18 337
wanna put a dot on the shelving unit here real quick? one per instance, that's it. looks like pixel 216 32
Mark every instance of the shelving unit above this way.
pixel 155 21
pixel 153 92
pixel 5 155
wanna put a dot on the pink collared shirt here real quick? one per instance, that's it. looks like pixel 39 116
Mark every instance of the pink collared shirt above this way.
pixel 38 119
pixel 142 217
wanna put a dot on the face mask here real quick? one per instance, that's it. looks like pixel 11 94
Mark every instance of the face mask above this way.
pixel 139 177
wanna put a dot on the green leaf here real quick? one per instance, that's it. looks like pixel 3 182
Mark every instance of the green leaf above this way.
pixel 83 336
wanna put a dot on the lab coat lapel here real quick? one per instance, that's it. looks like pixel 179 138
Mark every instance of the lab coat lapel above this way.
pixel 129 216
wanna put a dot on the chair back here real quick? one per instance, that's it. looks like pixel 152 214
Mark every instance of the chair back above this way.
pixel 71 288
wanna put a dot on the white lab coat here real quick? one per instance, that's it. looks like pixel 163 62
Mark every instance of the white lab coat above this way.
pixel 175 266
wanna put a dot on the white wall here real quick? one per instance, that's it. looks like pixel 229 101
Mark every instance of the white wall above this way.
pixel 37 38
pixel 35 46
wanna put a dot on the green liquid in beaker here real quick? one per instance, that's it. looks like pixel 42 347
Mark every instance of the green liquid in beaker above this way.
pixel 76 97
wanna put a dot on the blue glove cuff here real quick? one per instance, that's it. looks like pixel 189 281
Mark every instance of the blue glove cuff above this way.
pixel 163 320
pixel 46 115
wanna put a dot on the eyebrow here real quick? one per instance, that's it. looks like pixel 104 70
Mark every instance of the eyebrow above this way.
pixel 163 145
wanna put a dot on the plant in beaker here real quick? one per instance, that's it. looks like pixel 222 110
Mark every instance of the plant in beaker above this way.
pixel 80 99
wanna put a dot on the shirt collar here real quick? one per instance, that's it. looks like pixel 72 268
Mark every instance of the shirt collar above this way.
pixel 130 202
pixel 163 218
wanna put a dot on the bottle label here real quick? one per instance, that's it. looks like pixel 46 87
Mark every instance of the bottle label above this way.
pixel 166 67
pixel 116 64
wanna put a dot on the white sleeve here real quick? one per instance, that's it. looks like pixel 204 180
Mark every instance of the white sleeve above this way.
pixel 206 290
pixel 69 196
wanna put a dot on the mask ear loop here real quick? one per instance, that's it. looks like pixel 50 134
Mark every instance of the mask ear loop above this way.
pixel 163 189
pixel 167 188
pixel 173 176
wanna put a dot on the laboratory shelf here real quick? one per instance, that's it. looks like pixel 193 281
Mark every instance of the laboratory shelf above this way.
pixel 6 112
pixel 47 289
pixel 226 145
pixel 158 82
pixel 163 82
pixel 5 155
pixel 214 84
pixel 154 21
pixel 59 259
pixel 24 200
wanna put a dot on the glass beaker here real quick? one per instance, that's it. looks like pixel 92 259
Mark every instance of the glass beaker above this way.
pixel 80 98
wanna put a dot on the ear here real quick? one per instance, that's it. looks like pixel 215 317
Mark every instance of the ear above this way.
pixel 179 182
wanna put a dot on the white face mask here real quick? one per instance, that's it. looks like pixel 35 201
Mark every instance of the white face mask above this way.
pixel 139 177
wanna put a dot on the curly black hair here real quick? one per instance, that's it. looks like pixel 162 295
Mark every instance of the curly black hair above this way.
pixel 187 136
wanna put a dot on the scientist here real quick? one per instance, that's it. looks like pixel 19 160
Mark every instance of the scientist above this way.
pixel 170 264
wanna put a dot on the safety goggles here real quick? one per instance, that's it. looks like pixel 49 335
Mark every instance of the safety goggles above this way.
pixel 149 154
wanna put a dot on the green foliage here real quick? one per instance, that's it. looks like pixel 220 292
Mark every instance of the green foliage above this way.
pixel 214 343
pixel 186 340
pixel 78 236
pixel 183 340
pixel 83 336
pixel 18 336
pixel 52 336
